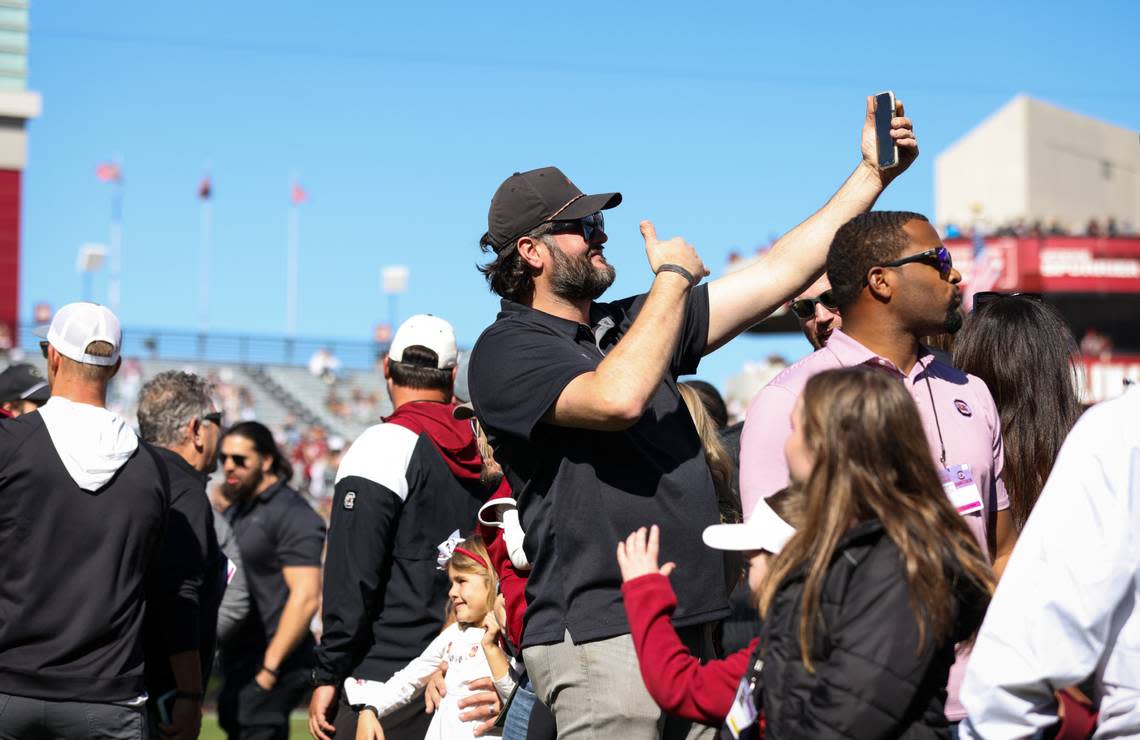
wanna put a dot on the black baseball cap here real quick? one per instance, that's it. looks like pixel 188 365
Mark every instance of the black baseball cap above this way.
pixel 23 382
pixel 527 199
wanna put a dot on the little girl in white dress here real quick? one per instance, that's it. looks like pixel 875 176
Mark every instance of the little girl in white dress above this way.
pixel 469 645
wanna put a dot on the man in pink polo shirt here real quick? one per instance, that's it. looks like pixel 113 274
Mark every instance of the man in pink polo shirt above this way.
pixel 894 282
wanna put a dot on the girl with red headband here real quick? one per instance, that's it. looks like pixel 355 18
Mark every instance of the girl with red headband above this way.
pixel 469 644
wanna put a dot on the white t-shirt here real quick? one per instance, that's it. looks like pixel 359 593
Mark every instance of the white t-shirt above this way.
pixel 463 651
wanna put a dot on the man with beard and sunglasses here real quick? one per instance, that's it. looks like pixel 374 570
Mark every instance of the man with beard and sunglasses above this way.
pixel 894 282
pixel 579 400
pixel 267 663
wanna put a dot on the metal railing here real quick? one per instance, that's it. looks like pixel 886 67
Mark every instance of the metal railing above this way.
pixel 225 347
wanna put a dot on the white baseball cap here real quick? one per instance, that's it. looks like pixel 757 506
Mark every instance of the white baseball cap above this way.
pixel 763 529
pixel 430 332
pixel 77 325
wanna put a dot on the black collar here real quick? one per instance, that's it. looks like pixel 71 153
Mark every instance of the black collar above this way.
pixel 173 458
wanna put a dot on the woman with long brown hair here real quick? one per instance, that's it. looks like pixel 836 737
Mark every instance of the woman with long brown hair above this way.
pixel 864 605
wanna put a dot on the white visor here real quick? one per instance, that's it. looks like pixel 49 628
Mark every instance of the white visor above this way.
pixel 762 530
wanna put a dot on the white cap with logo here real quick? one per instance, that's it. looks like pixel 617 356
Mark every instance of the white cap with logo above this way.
pixel 77 325
pixel 430 332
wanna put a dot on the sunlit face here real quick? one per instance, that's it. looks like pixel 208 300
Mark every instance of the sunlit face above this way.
pixel 469 595
pixel 244 469
pixel 759 561
pixel 823 321
pixel 578 269
pixel 927 301
pixel 796 452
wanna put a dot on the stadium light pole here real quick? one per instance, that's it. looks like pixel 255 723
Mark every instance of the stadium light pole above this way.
pixel 393 282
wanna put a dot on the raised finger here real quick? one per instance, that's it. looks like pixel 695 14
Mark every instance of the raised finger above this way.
pixel 899 109
pixel 648 231
pixel 902 122
pixel 654 542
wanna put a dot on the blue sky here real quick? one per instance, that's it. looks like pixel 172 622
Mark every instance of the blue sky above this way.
pixel 726 123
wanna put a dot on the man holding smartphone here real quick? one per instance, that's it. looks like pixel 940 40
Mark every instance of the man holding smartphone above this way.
pixel 580 402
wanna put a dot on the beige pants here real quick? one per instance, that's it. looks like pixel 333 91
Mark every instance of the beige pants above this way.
pixel 595 692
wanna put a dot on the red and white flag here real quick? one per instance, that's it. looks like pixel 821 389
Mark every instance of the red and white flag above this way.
pixel 298 195
pixel 109 172
pixel 205 188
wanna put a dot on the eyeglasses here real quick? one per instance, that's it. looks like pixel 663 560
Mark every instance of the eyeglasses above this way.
pixel 214 417
pixel 938 258
pixel 587 226
pixel 804 308
pixel 43 349
pixel 239 460
pixel 990 296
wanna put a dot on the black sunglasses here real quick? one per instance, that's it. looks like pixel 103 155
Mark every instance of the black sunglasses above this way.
pixel 990 296
pixel 214 417
pixel 43 349
pixel 804 308
pixel 239 460
pixel 938 258
pixel 587 226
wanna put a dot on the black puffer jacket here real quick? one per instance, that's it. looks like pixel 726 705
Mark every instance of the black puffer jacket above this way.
pixel 870 679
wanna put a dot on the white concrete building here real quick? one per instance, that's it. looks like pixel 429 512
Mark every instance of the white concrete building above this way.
pixel 1034 161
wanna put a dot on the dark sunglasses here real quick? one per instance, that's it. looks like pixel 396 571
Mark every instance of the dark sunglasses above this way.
pixel 804 308
pixel 990 296
pixel 587 226
pixel 239 460
pixel 214 418
pixel 43 349
pixel 938 258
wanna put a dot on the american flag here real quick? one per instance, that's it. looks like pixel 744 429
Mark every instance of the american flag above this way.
pixel 298 195
pixel 205 188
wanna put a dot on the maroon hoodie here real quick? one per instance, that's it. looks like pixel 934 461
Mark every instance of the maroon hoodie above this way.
pixel 452 437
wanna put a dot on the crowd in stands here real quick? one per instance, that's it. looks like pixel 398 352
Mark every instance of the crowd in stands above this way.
pixel 898 540
pixel 1023 228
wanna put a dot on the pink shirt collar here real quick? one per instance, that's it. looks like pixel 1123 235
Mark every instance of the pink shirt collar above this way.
pixel 848 352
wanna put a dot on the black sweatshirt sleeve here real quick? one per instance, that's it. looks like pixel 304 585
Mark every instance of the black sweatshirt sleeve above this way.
pixel 364 515
pixel 179 569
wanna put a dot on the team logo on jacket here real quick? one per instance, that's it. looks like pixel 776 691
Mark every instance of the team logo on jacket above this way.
pixel 963 407
pixel 350 499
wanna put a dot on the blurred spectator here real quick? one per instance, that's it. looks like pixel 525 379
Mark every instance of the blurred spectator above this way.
pixel 1024 351
pixel 324 365
pixel 1068 607
pixel 1096 344
pixel 23 389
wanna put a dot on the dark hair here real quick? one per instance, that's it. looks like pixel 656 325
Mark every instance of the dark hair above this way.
pixel 871 461
pixel 507 275
pixel 417 369
pixel 1024 351
pixel 264 444
pixel 868 240
pixel 711 400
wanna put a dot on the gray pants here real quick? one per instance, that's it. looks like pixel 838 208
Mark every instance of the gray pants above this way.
pixel 23 718
pixel 595 692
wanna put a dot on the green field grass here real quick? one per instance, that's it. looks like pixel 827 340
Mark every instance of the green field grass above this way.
pixel 298 729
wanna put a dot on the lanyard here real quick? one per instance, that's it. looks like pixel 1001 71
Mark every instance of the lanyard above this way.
pixel 934 410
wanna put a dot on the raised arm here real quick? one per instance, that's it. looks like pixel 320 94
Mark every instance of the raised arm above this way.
pixel 740 299
pixel 615 394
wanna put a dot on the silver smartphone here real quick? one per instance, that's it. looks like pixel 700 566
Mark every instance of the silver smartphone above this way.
pixel 884 112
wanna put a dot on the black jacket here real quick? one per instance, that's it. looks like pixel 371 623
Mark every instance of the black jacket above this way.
pixel 75 568
pixel 870 680
pixel 191 556
pixel 401 496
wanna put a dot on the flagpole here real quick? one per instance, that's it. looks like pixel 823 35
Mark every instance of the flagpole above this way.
pixel 116 240
pixel 292 260
pixel 206 222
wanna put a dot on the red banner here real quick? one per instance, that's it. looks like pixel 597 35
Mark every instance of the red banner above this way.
pixel 1055 264
pixel 1105 378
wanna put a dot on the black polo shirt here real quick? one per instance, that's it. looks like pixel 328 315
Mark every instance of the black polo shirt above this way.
pixel 580 491
pixel 274 529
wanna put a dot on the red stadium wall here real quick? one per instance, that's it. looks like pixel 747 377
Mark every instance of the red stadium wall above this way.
pixel 10 249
